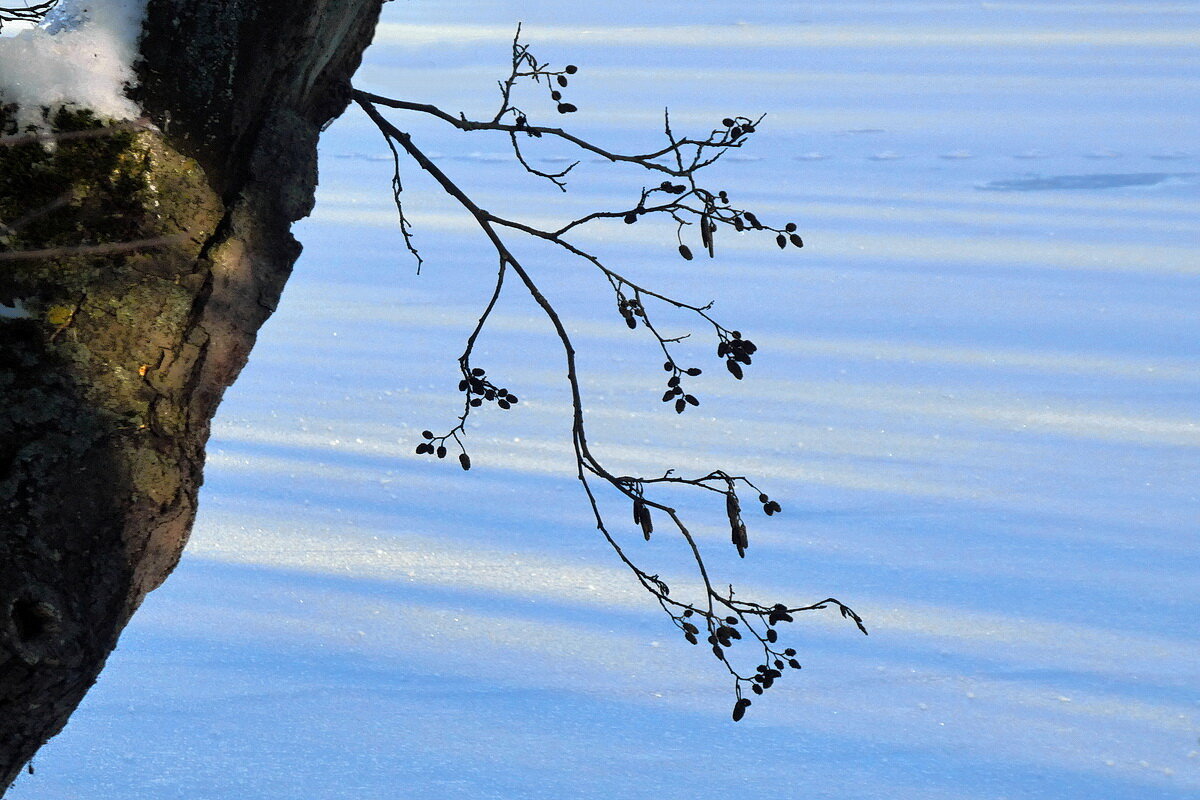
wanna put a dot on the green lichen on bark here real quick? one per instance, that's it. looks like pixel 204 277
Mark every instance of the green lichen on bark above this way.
pixel 80 368
pixel 101 175
pixel 80 191
pixel 113 314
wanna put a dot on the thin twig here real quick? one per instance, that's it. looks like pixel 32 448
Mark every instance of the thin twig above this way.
pixel 645 160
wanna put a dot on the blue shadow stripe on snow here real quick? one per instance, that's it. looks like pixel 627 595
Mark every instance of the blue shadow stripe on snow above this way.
pixel 282 703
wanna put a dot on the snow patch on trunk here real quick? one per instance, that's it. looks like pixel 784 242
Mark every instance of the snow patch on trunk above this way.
pixel 82 54
pixel 14 309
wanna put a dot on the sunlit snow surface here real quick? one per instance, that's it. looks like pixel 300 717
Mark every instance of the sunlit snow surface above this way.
pixel 977 400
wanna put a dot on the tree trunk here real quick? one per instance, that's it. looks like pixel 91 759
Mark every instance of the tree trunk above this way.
pixel 111 375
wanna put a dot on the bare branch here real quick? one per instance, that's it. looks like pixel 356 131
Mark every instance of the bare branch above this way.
pixel 724 617
pixel 111 248
pixel 719 139
pixel 54 137
pixel 11 228
pixel 553 177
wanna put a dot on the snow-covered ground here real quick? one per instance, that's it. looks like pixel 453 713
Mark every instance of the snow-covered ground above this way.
pixel 978 399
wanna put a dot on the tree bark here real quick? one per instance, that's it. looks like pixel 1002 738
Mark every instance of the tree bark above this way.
pixel 109 381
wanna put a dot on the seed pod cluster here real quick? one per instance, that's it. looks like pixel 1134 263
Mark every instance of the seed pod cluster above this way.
pixel 724 634
pixel 630 310
pixel 436 446
pixel 735 129
pixel 561 80
pixel 736 351
pixel 766 674
pixel 555 79
pixel 770 507
pixel 479 390
pixel 778 614
pixel 675 390
pixel 522 123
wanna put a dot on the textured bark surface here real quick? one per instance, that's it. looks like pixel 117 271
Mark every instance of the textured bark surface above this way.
pixel 108 383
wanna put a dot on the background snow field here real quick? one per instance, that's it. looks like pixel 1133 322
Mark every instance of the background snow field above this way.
pixel 976 396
